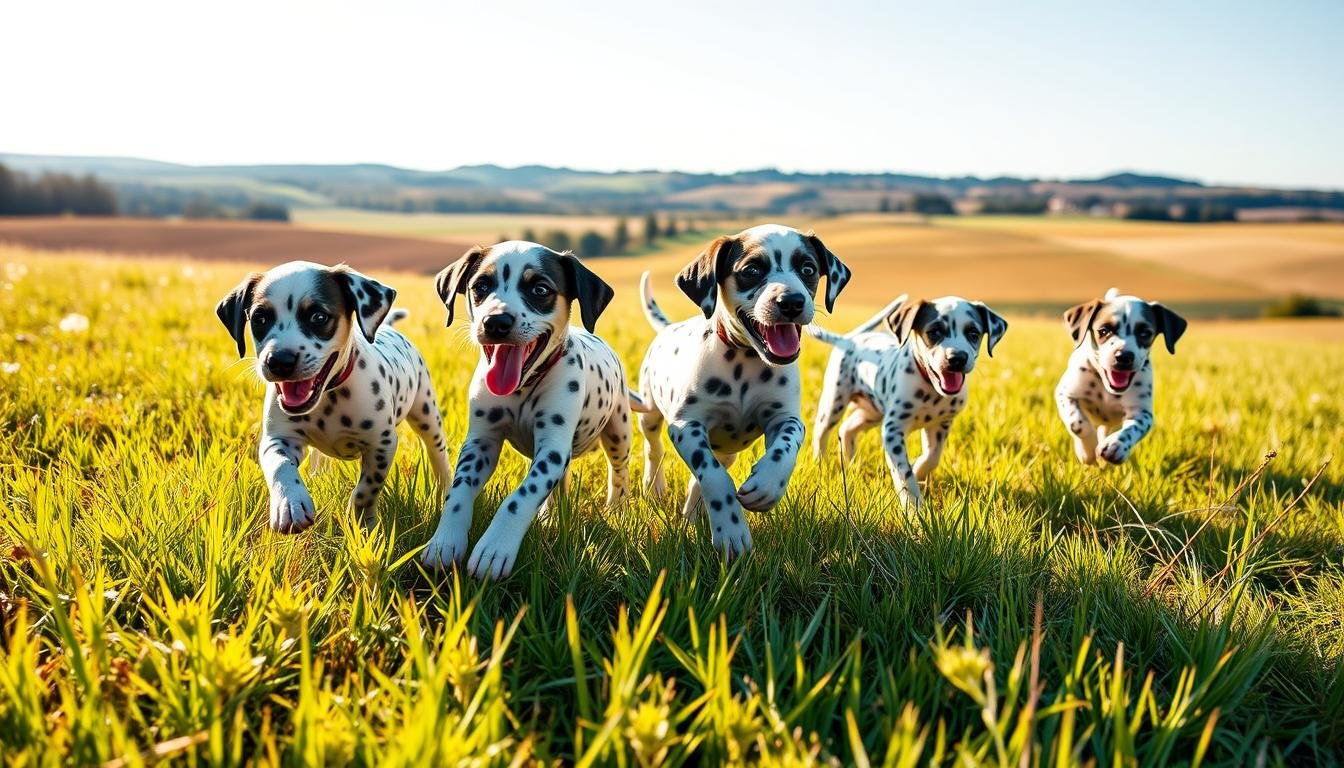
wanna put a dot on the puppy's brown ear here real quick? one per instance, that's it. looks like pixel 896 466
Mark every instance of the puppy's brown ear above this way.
pixel 1169 324
pixel 369 299
pixel 581 285
pixel 232 310
pixel 911 314
pixel 1079 319
pixel 837 274
pixel 453 279
pixel 995 325
pixel 700 279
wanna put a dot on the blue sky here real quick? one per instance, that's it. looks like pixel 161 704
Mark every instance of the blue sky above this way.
pixel 1225 92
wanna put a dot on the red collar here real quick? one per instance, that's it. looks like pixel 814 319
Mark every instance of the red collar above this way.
pixel 345 374
pixel 723 336
pixel 923 372
pixel 546 367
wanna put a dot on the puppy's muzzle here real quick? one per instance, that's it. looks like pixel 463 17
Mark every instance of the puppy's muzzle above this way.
pixel 1124 361
pixel 497 327
pixel 956 362
pixel 791 305
pixel 281 363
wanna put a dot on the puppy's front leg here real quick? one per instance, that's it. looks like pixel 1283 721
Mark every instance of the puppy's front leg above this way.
pixel 1116 447
pixel 935 437
pixel 475 463
pixel 770 477
pixel 1084 433
pixel 898 461
pixel 292 508
pixel 731 535
pixel 373 468
pixel 494 555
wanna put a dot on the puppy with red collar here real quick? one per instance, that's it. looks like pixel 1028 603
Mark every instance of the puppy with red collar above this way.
pixel 723 379
pixel 550 390
pixel 339 378
pixel 912 378
pixel 1105 397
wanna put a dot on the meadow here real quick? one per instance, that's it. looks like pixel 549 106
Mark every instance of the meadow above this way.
pixel 1184 608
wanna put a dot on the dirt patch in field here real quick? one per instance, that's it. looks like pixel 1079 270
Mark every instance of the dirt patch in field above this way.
pixel 253 242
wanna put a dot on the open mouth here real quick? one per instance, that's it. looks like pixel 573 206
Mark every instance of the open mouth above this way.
pixel 300 395
pixel 950 382
pixel 506 363
pixel 1119 381
pixel 781 341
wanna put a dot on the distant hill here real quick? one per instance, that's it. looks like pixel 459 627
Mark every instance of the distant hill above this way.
pixel 151 187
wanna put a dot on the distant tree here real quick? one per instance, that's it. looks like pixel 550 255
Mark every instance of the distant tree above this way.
pixel 884 205
pixel 931 203
pixel 620 239
pixel 265 212
pixel 671 229
pixel 650 229
pixel 201 207
pixel 8 190
pixel 529 235
pixel 54 193
pixel 592 245
pixel 502 238
pixel 558 240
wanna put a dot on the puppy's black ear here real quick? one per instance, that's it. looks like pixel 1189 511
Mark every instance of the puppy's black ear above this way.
pixel 700 279
pixel 1079 319
pixel 453 279
pixel 1169 324
pixel 581 285
pixel 911 314
pixel 995 325
pixel 232 310
pixel 837 274
pixel 369 299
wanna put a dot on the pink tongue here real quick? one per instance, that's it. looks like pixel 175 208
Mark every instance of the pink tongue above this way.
pixel 1121 379
pixel 952 381
pixel 296 393
pixel 506 369
pixel 782 339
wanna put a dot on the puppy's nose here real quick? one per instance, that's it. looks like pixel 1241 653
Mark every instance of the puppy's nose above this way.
pixel 956 361
pixel 498 326
pixel 1124 360
pixel 282 362
pixel 791 304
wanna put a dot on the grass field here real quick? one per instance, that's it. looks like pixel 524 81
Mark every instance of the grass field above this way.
pixel 1184 608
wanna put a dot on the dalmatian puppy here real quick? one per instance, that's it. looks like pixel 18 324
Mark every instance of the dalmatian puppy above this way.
pixel 1105 396
pixel 911 378
pixel 550 390
pixel 338 379
pixel 725 378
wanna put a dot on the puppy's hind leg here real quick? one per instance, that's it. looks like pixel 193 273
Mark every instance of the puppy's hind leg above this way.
pixel 655 480
pixel 860 420
pixel 616 444
pixel 1079 426
pixel 427 423
pixel 934 437
pixel 374 464
pixel 830 406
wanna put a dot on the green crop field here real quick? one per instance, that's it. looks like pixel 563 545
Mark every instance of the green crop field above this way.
pixel 1185 608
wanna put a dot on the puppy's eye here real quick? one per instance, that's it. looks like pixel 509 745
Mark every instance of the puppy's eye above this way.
pixel 807 270
pixel 972 335
pixel 541 290
pixel 753 271
pixel 1105 331
pixel 318 317
pixel 261 319
pixel 934 334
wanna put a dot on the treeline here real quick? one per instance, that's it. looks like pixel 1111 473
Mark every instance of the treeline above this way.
pixel 54 194
pixel 592 244
pixel 475 203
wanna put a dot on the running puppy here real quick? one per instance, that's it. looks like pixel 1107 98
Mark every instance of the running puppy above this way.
pixel 339 379
pixel 1105 396
pixel 914 379
pixel 551 391
pixel 723 380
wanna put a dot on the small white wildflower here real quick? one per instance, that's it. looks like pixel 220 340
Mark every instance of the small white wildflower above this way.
pixel 74 323
pixel 9 368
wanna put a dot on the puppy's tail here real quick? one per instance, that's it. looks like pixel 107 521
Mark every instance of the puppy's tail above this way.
pixel 396 316
pixel 834 339
pixel 637 403
pixel 655 315
pixel 1112 294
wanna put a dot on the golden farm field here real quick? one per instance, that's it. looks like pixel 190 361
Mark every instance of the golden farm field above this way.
pixel 1182 608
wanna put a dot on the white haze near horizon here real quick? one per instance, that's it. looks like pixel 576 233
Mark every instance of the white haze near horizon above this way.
pixel 1226 92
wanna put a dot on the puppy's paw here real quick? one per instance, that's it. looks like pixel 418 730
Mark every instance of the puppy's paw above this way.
pixel 1113 450
pixel 292 511
pixel 494 555
pixel 762 490
pixel 732 540
pixel 444 550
